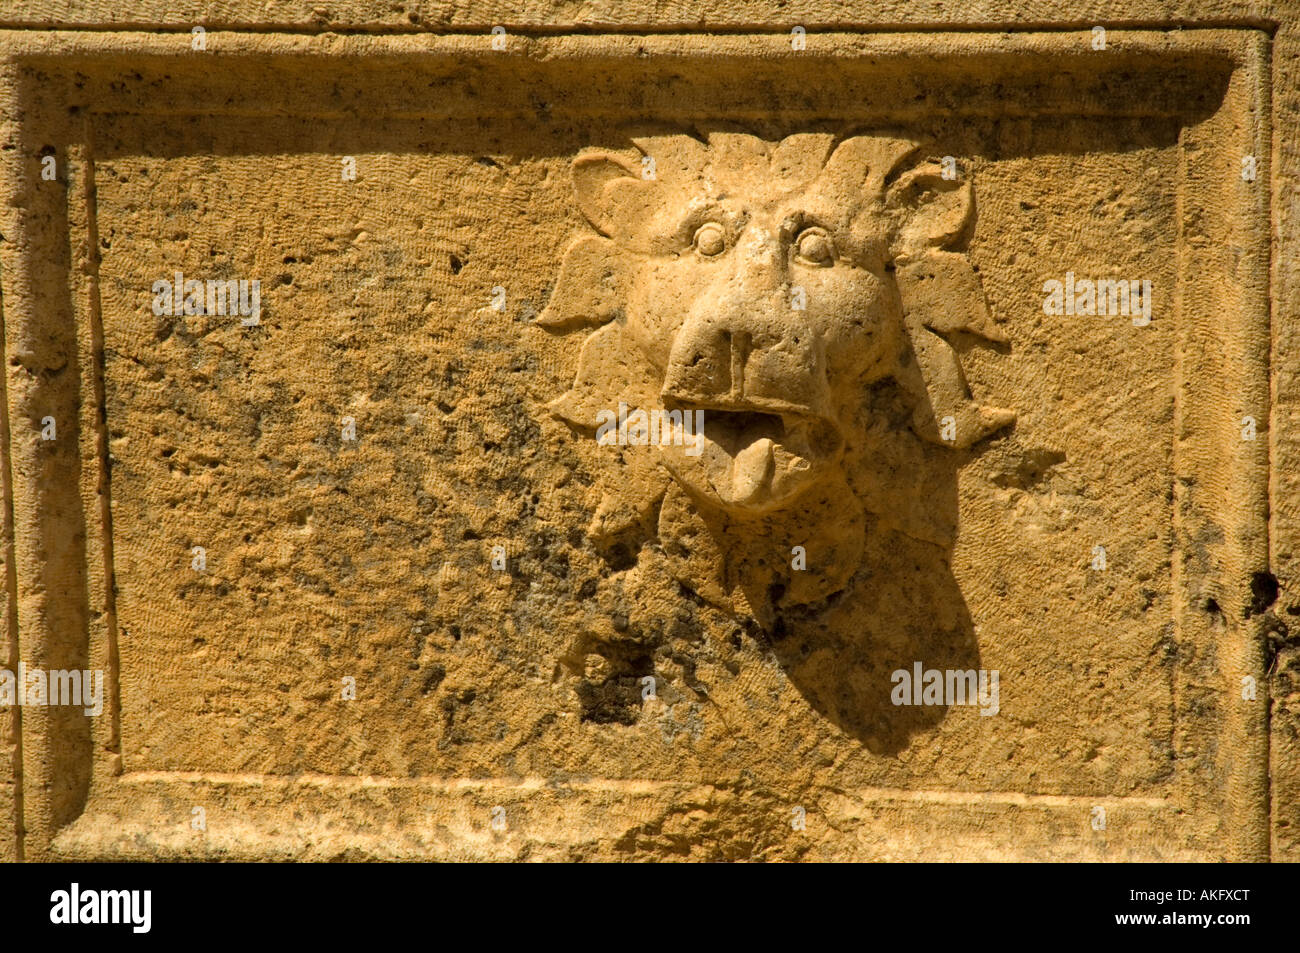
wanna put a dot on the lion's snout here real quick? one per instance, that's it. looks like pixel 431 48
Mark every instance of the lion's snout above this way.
pixel 758 374
pixel 737 362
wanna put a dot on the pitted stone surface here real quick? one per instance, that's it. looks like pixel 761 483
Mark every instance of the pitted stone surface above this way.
pixel 973 324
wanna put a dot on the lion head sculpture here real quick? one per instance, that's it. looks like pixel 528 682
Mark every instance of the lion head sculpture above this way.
pixel 759 289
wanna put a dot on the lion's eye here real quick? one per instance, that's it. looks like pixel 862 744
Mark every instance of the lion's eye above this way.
pixel 710 239
pixel 814 247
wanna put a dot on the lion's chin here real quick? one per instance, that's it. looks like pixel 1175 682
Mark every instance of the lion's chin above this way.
pixel 752 463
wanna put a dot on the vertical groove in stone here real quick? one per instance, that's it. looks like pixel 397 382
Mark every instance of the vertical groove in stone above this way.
pixel 9 130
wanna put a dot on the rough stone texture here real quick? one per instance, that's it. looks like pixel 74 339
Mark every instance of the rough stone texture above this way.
pixel 523 690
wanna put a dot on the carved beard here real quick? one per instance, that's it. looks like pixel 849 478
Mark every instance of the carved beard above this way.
pixel 753 568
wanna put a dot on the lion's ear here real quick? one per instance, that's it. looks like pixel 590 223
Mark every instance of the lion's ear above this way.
pixel 931 211
pixel 596 180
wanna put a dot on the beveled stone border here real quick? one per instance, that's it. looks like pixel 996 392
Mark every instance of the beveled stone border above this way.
pixel 84 807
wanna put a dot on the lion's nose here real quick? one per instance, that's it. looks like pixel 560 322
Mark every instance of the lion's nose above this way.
pixel 759 358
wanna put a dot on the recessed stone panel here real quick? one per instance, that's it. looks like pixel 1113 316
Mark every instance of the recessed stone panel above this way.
pixel 352 503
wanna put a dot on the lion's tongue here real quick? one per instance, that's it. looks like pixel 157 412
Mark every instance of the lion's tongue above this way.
pixel 751 470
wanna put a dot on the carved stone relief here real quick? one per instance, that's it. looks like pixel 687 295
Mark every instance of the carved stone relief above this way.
pixel 773 358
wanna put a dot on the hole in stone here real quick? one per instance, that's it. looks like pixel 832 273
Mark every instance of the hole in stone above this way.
pixel 1263 593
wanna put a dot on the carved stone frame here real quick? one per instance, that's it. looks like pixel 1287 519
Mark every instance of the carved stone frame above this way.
pixel 77 800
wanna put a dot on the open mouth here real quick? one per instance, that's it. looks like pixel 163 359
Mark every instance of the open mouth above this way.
pixel 756 458
pixel 737 428
pixel 802 432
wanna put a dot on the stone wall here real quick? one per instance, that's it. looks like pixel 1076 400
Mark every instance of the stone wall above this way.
pixel 650 431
